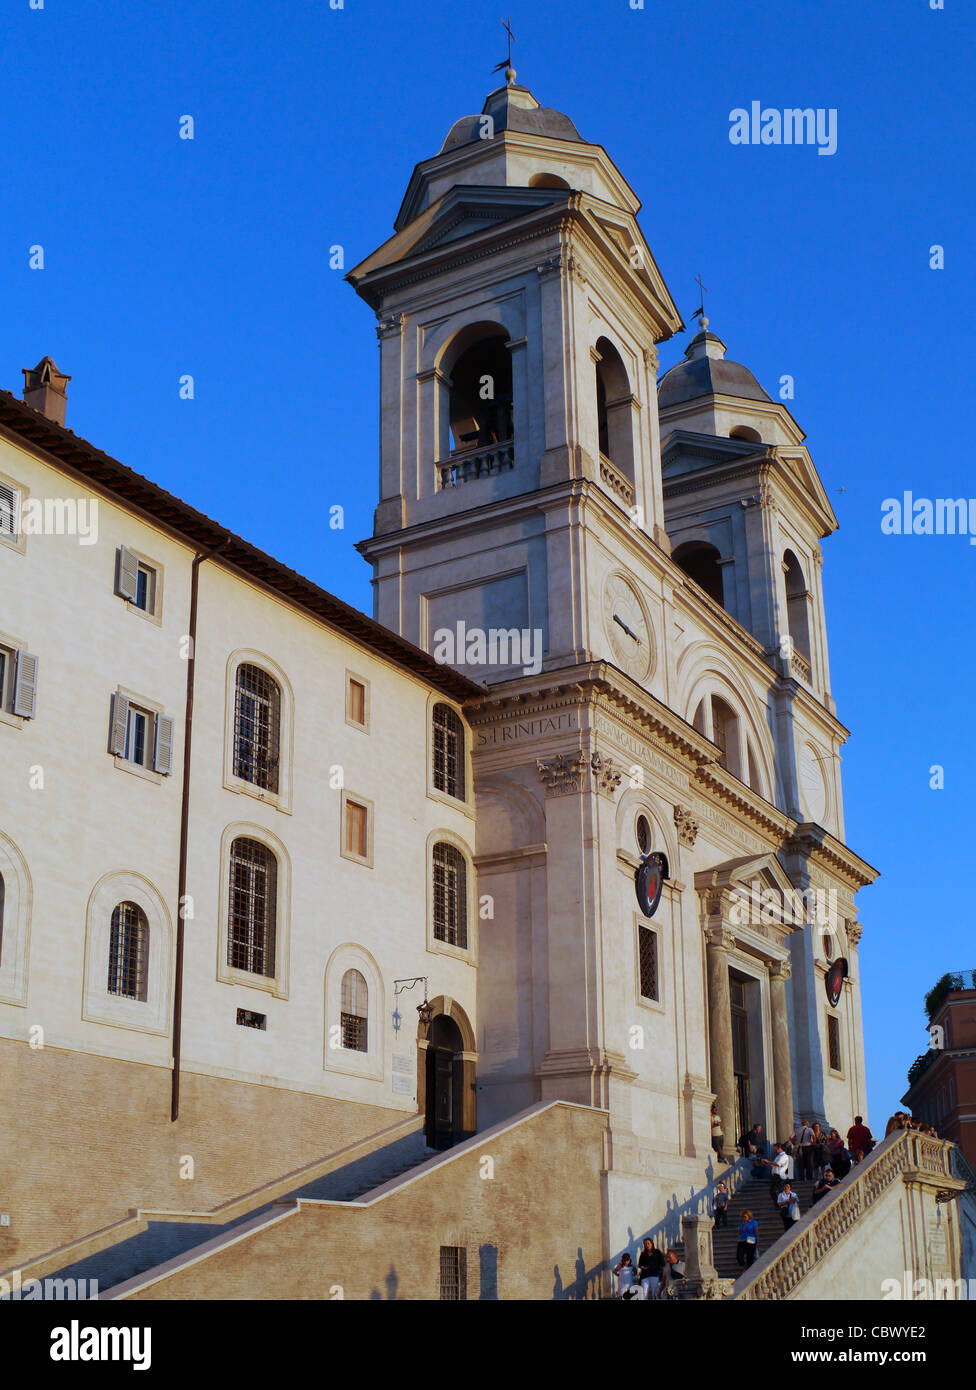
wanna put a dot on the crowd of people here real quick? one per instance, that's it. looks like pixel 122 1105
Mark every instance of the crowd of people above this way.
pixel 811 1153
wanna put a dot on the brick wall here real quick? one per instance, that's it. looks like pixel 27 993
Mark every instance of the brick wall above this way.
pixel 85 1138
pixel 533 1230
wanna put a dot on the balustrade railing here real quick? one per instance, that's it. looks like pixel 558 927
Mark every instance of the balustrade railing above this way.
pixel 478 461
pixel 824 1226
pixel 616 482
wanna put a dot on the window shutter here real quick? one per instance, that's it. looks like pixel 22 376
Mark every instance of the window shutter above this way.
pixel 163 755
pixel 8 511
pixel 120 717
pixel 25 685
pixel 128 576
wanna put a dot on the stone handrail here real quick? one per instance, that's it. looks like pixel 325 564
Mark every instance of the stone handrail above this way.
pixel 477 461
pixel 904 1151
pixel 616 481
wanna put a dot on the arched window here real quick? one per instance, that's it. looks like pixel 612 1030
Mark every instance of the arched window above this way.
pixel 481 403
pixel 643 834
pixel 354 1012
pixel 725 732
pixel 448 752
pixel 747 433
pixel 257 727
pixel 614 409
pixel 700 562
pixel 252 907
pixel 796 605
pixel 547 181
pixel 128 952
pixel 450 896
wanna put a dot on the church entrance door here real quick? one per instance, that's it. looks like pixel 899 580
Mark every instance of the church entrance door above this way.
pixel 445 1094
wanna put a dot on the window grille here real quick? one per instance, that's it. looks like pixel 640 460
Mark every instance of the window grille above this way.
pixel 253 905
pixel 247 1018
pixel 354 1011
pixel 454 1273
pixel 450 896
pixel 833 1042
pixel 257 720
pixel 647 951
pixel 128 952
pixel 448 752
pixel 643 834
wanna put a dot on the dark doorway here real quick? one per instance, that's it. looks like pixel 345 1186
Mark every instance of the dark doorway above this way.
pixel 445 1085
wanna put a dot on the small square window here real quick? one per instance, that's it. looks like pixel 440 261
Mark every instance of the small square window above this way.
pixel 139 581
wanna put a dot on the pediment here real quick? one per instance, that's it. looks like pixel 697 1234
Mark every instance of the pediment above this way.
pixel 754 891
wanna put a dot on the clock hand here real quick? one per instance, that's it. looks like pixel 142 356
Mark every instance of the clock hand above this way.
pixel 626 628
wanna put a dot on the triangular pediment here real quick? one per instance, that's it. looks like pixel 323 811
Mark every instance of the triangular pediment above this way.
pixel 754 890
pixel 464 211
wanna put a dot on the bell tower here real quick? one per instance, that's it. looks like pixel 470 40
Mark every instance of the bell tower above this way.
pixel 518 308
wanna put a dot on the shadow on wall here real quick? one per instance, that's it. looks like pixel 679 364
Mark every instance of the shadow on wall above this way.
pixel 488 1257
pixel 587 1283
pixel 667 1231
pixel 392 1282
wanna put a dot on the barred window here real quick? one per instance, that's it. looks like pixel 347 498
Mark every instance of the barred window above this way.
pixel 448 752
pixel 253 907
pixel 257 720
pixel 450 896
pixel 647 951
pixel 354 1011
pixel 833 1042
pixel 128 951
pixel 454 1273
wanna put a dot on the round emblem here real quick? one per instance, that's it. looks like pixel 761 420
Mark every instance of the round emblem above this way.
pixel 834 980
pixel 649 882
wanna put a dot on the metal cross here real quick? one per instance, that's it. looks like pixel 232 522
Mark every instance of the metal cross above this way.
pixel 703 288
pixel 506 62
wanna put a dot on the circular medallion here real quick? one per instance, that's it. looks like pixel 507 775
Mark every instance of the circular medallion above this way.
pixel 628 627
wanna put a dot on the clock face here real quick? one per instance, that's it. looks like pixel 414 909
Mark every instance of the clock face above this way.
pixel 627 627
pixel 813 790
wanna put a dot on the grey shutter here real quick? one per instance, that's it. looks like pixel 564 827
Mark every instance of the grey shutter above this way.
pixel 8 511
pixel 25 685
pixel 128 575
pixel 120 717
pixel 163 755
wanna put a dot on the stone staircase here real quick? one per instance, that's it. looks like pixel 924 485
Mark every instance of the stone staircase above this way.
pixel 753 1194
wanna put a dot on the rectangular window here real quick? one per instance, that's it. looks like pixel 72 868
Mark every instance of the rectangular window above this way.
pixel 454 1273
pixel 248 1019
pixel 136 736
pixel 647 951
pixel 356 702
pixel 357 830
pixel 6 666
pixel 833 1042
pixel 145 578
pixel 137 581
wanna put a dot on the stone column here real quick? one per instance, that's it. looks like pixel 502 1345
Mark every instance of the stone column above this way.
pixel 779 973
pixel 718 944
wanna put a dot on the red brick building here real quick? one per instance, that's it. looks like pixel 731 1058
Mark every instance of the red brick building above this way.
pixel 942 1082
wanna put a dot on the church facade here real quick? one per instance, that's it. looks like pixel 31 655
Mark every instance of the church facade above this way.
pixel 246 830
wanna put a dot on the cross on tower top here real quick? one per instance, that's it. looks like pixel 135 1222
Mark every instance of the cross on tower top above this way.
pixel 506 63
pixel 700 311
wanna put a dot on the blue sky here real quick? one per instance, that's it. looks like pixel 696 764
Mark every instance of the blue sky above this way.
pixel 211 257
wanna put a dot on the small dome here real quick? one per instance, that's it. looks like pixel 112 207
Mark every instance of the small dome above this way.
pixel 513 108
pixel 704 372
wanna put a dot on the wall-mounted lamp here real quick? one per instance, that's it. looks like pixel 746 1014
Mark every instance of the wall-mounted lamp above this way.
pixel 425 1011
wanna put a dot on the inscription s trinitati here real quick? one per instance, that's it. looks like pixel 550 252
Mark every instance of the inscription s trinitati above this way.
pixel 517 730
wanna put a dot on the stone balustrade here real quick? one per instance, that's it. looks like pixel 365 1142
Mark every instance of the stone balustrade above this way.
pixel 478 461
pixel 616 482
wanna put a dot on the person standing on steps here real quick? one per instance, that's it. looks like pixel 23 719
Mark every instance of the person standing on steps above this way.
pixel 718 1138
pixel 779 1165
pixel 789 1206
pixel 804 1142
pixel 650 1269
pixel 860 1137
pixel 720 1207
pixel 625 1276
pixel 748 1246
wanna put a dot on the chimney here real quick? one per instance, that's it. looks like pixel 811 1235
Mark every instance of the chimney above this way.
pixel 45 389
